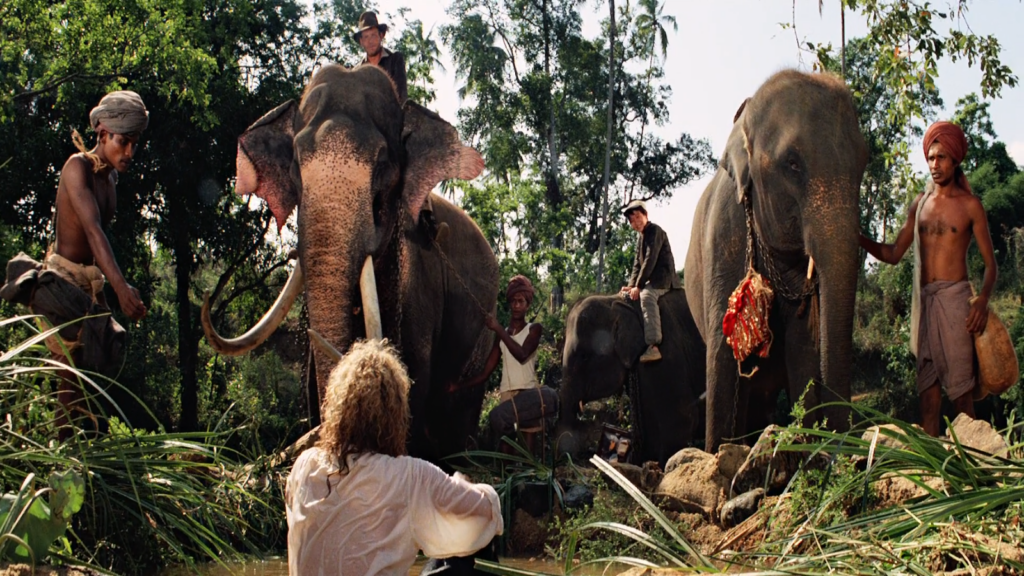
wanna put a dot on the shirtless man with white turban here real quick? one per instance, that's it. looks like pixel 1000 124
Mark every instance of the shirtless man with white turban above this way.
pixel 86 197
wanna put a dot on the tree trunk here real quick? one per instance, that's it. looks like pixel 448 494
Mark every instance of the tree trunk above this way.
pixel 608 146
pixel 188 338
pixel 554 192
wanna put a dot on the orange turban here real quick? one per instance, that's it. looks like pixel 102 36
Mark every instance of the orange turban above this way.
pixel 954 141
pixel 517 284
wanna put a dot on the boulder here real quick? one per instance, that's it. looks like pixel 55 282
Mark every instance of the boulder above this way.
pixel 730 458
pixel 683 456
pixel 741 507
pixel 695 483
pixel 766 468
pixel 979 435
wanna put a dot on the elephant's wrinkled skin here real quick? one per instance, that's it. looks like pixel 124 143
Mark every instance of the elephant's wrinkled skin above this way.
pixel 797 150
pixel 358 167
pixel 604 337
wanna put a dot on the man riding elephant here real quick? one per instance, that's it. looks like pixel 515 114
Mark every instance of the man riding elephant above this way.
pixel 654 274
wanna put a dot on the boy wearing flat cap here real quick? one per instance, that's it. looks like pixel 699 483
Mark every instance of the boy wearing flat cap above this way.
pixel 654 274
pixel 940 224
pixel 370 36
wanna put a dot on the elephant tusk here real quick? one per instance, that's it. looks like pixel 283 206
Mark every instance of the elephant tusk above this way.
pixel 324 345
pixel 264 328
pixel 371 306
pixel 810 268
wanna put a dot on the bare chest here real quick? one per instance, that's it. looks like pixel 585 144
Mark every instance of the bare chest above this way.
pixel 944 218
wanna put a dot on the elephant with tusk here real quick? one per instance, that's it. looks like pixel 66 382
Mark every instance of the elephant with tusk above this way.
pixel 359 167
pixel 796 156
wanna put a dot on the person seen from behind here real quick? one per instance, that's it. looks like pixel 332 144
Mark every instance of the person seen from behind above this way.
pixel 356 503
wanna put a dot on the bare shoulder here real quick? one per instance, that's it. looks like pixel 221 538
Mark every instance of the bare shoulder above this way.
pixel 76 168
pixel 972 205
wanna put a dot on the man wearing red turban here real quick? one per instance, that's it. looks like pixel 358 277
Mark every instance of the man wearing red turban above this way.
pixel 940 224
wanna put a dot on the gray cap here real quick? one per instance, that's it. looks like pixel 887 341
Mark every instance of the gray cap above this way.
pixel 634 205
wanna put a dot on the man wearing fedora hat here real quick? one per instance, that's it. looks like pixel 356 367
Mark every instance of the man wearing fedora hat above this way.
pixel 370 34
pixel 654 274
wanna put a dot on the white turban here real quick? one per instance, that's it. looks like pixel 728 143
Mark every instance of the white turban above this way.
pixel 120 112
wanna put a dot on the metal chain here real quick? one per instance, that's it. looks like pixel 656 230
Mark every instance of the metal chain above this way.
pixel 778 284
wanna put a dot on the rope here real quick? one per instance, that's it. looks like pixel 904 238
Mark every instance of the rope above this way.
pixel 458 278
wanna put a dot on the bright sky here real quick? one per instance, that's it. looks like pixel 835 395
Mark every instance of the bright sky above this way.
pixel 725 49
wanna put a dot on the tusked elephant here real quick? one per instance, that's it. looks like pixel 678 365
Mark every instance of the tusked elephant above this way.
pixel 797 151
pixel 359 166
pixel 604 337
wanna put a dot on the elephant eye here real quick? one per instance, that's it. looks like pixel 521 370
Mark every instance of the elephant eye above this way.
pixel 794 164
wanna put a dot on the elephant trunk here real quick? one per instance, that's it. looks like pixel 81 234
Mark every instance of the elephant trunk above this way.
pixel 263 329
pixel 836 263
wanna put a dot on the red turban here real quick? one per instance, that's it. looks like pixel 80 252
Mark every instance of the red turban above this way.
pixel 517 284
pixel 954 141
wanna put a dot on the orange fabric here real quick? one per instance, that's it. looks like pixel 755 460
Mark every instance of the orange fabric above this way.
pixel 954 140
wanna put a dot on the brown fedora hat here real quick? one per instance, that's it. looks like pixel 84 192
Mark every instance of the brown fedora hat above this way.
pixel 368 20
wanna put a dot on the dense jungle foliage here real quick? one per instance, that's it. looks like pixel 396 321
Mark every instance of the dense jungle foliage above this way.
pixel 536 104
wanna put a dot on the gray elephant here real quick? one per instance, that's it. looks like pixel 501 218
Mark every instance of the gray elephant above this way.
pixel 604 337
pixel 797 153
pixel 360 167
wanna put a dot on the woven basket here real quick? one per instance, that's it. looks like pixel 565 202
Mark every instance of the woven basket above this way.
pixel 998 369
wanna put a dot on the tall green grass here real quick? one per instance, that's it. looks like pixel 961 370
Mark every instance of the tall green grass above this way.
pixel 152 498
pixel 968 516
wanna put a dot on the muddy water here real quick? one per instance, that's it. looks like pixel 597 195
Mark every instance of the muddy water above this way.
pixel 279 567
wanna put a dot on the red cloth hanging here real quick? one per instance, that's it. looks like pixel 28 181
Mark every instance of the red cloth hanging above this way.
pixel 745 324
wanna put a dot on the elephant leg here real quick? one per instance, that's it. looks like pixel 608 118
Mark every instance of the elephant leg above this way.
pixel 723 398
pixel 803 364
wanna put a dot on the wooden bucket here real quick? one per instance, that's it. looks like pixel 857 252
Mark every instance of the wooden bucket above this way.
pixel 998 369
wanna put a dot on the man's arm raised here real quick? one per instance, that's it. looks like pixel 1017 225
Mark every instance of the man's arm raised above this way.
pixel 893 253
pixel 978 316
pixel 83 202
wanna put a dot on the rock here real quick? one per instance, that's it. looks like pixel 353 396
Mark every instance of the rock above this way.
pixel 884 441
pixel 694 482
pixel 685 455
pixel 766 468
pixel 979 435
pixel 632 472
pixel 741 507
pixel 651 476
pixel 577 497
pixel 730 458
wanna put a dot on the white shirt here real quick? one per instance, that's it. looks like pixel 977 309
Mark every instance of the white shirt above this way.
pixel 375 518
pixel 516 376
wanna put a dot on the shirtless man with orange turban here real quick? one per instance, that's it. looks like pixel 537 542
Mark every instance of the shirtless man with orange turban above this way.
pixel 940 224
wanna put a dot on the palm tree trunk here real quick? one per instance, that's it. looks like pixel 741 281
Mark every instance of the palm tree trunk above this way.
pixel 608 146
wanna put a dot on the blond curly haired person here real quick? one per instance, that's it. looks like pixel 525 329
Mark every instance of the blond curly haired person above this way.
pixel 356 503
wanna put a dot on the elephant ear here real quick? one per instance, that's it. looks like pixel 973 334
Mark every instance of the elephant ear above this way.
pixel 629 334
pixel 434 153
pixel 266 152
pixel 736 159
